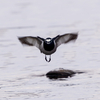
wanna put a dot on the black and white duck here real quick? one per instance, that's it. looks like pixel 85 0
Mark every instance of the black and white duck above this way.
pixel 49 45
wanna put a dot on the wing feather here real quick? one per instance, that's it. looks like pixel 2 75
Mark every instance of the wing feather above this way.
pixel 66 38
pixel 31 41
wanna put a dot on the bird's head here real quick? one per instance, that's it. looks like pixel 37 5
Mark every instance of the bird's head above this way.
pixel 48 40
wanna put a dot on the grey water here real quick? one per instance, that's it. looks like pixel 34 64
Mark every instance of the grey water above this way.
pixel 23 68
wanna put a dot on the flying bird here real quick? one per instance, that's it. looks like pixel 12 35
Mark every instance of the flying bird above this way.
pixel 49 45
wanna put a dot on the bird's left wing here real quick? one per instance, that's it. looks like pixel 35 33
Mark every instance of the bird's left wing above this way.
pixel 31 41
pixel 65 38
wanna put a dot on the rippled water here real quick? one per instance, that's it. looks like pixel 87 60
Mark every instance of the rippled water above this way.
pixel 23 69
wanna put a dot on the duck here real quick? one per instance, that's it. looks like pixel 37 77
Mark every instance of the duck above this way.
pixel 49 45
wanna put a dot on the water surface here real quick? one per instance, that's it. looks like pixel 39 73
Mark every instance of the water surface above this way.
pixel 23 69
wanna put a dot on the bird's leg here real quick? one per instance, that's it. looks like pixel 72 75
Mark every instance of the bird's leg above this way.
pixel 48 60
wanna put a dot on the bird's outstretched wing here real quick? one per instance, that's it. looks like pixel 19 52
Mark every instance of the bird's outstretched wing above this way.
pixel 31 41
pixel 60 39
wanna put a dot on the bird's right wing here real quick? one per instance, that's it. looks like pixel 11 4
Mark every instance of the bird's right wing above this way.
pixel 31 41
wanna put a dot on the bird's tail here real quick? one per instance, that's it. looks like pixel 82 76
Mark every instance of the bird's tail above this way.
pixel 48 60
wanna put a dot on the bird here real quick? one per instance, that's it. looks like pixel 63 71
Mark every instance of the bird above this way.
pixel 49 45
